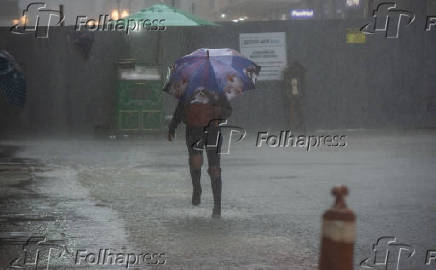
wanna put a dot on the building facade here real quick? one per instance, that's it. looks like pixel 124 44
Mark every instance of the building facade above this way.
pixel 217 10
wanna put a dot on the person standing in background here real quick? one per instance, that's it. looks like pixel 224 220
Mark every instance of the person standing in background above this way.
pixel 293 77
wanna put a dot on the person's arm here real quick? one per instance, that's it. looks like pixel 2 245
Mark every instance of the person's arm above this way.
pixel 175 121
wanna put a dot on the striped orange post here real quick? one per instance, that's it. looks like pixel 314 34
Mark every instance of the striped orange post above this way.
pixel 338 234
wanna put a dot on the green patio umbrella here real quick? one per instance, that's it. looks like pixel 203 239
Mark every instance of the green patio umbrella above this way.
pixel 170 16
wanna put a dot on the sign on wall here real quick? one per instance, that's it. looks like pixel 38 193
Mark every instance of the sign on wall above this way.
pixel 268 50
pixel 355 36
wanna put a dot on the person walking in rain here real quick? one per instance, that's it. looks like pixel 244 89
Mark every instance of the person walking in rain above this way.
pixel 202 115
pixel 204 81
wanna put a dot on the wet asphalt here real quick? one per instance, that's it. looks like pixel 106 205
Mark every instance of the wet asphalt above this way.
pixel 132 196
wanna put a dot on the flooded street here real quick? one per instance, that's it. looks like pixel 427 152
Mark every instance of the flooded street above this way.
pixel 218 135
pixel 134 196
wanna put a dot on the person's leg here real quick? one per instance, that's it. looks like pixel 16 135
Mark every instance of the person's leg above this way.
pixel 213 149
pixel 288 112
pixel 292 115
pixel 216 183
pixel 297 122
pixel 300 116
pixel 195 162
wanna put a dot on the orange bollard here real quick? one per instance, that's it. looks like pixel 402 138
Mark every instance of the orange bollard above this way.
pixel 338 234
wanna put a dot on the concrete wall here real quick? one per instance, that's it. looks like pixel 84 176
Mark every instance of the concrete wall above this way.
pixel 383 83
pixel 378 84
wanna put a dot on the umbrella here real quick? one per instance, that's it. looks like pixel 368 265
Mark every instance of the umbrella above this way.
pixel 221 71
pixel 168 16
pixel 12 83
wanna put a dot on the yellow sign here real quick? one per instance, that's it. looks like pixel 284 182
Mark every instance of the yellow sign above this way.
pixel 355 36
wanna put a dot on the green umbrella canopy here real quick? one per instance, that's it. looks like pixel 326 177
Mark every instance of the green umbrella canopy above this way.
pixel 170 16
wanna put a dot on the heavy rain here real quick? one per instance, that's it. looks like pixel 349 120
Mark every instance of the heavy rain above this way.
pixel 218 134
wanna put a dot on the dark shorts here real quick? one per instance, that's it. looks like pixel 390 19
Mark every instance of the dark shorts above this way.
pixel 209 139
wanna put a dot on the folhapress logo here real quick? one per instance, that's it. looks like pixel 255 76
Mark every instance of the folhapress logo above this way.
pixel 389 254
pixel 42 18
pixel 387 18
pixel 40 253
pixel 38 11
pixel 386 254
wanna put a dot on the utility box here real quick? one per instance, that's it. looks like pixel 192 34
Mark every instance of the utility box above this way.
pixel 139 98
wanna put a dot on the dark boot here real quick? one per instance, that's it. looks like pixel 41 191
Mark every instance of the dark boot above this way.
pixel 196 186
pixel 215 178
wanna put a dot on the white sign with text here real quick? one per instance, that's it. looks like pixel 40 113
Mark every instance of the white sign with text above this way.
pixel 267 50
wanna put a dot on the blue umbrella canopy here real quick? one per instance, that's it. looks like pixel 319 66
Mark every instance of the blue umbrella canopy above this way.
pixel 221 71
pixel 12 83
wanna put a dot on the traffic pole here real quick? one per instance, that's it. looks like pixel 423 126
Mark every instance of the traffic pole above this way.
pixel 338 234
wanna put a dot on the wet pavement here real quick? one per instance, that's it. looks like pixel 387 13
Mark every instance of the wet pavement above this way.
pixel 132 196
